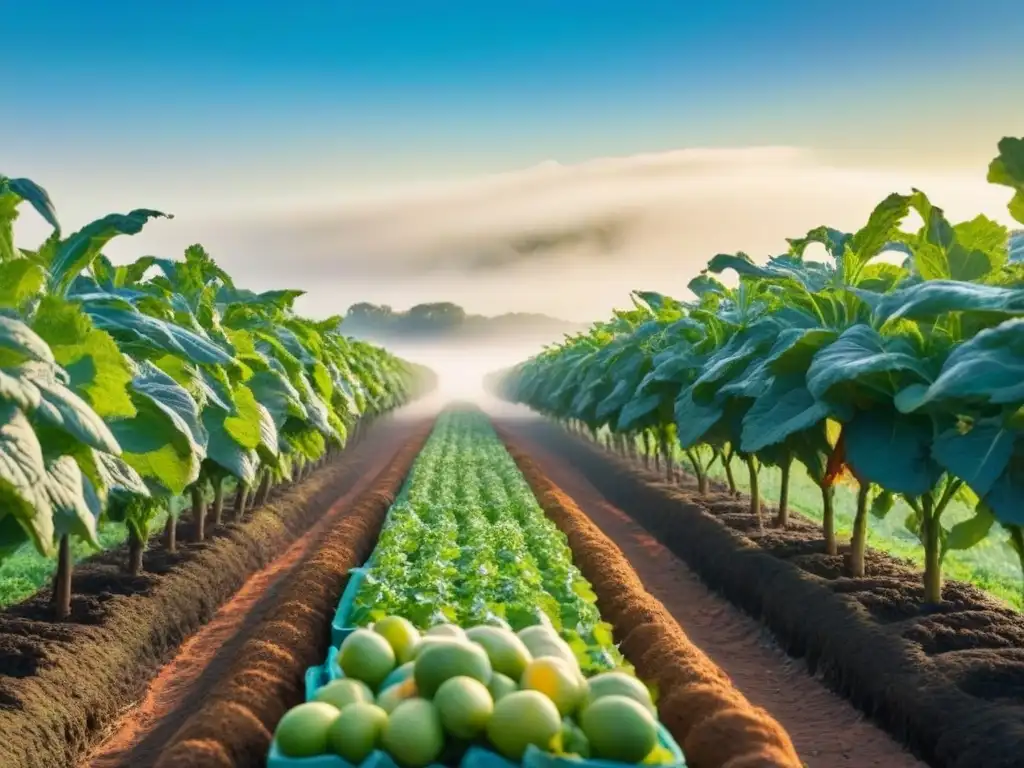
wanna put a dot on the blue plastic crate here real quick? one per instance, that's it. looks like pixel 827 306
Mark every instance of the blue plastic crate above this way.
pixel 341 626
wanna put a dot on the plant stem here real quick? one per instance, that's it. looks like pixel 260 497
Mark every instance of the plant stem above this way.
pixel 828 519
pixel 264 490
pixel 755 491
pixel 218 501
pixel 666 451
pixel 136 548
pixel 931 530
pixel 858 543
pixel 198 512
pixel 171 532
pixel 782 516
pixel 730 478
pixel 241 492
pixel 647 449
pixel 698 472
pixel 62 580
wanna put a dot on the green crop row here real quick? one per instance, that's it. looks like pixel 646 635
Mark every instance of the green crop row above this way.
pixel 467 543
pixel 897 361
pixel 124 386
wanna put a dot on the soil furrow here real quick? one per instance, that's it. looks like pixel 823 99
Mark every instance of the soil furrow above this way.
pixel 826 730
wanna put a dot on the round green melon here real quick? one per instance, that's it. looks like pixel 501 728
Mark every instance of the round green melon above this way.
pixel 447 660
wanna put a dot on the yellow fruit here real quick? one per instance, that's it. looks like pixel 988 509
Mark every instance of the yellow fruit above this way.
pixel 558 681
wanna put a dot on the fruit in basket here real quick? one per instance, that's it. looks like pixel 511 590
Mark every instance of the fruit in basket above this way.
pixel 619 728
pixel 413 734
pixel 367 656
pixel 393 695
pixel 521 719
pixel 508 654
pixel 557 680
pixel 447 630
pixel 618 684
pixel 356 731
pixel 447 660
pixel 541 640
pixel 341 693
pixel 401 634
pixel 399 675
pixel 465 706
pixel 302 732
pixel 429 641
pixel 501 686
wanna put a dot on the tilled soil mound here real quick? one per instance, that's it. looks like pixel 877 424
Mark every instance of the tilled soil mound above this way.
pixel 946 680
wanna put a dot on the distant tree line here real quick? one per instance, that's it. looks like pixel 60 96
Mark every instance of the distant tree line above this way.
pixel 443 319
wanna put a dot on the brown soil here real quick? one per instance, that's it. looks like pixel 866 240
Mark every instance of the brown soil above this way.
pixel 63 684
pixel 229 721
pixel 711 720
pixel 826 730
pixel 948 680
pixel 182 684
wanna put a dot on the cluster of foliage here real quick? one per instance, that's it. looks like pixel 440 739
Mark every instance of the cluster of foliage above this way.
pixel 467 543
pixel 907 372
pixel 124 386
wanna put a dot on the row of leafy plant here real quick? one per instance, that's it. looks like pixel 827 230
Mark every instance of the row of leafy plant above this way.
pixel 898 361
pixel 124 386
pixel 466 543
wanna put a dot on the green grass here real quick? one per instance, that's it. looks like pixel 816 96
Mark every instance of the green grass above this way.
pixel 992 565
pixel 26 571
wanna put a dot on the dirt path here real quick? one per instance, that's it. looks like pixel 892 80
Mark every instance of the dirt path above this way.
pixel 141 733
pixel 826 730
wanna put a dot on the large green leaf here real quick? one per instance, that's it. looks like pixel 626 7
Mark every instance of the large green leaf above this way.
pixel 119 477
pixel 787 407
pixel 77 252
pixel 34 195
pixel 1008 169
pixel 23 478
pixel 19 343
pixel 932 299
pixel 986 369
pixel 157 447
pixel 97 370
pixel 20 280
pixel 222 449
pixel 76 504
pixel 152 333
pixel 862 358
pixel 164 392
pixel 273 390
pixel 61 408
pixel 892 450
pixel 978 455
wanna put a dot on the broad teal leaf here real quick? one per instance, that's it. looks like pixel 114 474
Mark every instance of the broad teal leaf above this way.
pixel 693 420
pixel 892 450
pixel 978 455
pixel 636 411
pixel 152 333
pixel 786 408
pixel 174 400
pixel 861 356
pixel 77 252
pixel 224 450
pixel 1008 169
pixel 35 196
pixel 931 299
pixel 119 477
pixel 988 368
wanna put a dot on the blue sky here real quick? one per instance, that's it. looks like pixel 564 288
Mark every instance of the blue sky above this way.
pixel 210 107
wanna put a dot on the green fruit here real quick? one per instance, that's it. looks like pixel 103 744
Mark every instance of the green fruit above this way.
pixel 429 641
pixel 508 654
pixel 302 731
pixel 341 693
pixel 413 734
pixel 399 675
pixel 401 634
pixel 465 706
pixel 447 660
pixel 393 695
pixel 557 680
pixel 366 656
pixel 618 684
pixel 542 641
pixel 355 733
pixel 618 728
pixel 521 719
pixel 501 686
pixel 447 630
